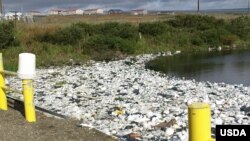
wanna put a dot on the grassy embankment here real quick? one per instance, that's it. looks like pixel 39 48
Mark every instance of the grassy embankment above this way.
pixel 72 39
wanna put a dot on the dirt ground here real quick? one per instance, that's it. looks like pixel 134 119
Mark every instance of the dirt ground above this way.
pixel 13 127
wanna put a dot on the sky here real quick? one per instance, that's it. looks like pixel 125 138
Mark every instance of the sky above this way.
pixel 44 5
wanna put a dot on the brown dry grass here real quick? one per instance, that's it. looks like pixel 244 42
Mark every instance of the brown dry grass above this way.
pixel 227 16
pixel 27 31
pixel 95 19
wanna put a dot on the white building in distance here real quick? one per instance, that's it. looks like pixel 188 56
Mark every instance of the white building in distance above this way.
pixel 55 12
pixel 65 12
pixel 33 13
pixel 139 12
pixel 13 16
pixel 72 12
pixel 79 11
pixel 94 11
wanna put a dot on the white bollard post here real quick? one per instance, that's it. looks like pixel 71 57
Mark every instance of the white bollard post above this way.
pixel 27 66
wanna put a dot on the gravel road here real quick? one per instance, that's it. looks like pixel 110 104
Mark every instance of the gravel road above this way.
pixel 13 127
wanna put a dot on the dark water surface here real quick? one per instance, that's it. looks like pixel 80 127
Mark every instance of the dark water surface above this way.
pixel 232 67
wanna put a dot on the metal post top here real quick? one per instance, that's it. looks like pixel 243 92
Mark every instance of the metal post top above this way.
pixel 198 105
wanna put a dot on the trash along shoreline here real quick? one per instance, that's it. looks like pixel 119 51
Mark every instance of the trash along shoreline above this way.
pixel 123 99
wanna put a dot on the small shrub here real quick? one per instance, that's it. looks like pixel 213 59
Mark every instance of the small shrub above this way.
pixel 210 37
pixel 86 29
pixel 102 42
pixel 193 21
pixel 182 40
pixel 196 40
pixel 73 34
pixel 67 36
pixel 229 39
pixel 240 26
pixel 7 35
pixel 153 29
pixel 122 30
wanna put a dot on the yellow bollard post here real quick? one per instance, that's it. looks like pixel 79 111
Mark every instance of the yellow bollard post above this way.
pixel 3 99
pixel 29 106
pixel 199 120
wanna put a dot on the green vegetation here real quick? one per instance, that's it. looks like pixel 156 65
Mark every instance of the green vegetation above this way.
pixel 75 43
pixel 60 84
pixel 119 99
pixel 7 35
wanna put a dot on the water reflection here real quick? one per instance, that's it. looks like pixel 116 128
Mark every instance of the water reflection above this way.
pixel 229 66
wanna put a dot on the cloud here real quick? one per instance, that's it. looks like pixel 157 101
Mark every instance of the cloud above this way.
pixel 43 5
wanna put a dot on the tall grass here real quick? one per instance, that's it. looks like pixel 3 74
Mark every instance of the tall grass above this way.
pixel 74 42
pixel 46 55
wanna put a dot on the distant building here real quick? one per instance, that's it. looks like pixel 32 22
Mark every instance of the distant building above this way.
pixel 79 11
pixel 13 15
pixel 139 12
pixel 72 12
pixel 55 12
pixel 19 15
pixel 68 12
pixel 115 11
pixel 33 13
pixel 9 16
pixel 94 11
